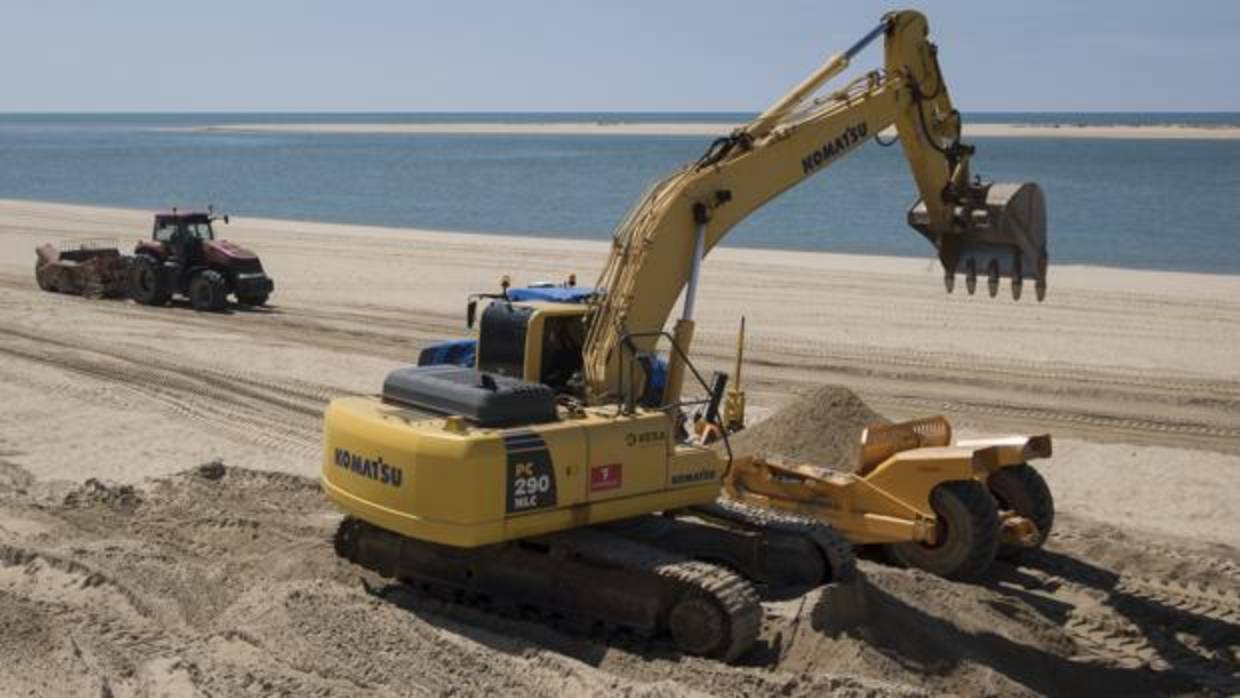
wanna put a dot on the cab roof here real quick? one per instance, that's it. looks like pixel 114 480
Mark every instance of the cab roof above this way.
pixel 188 216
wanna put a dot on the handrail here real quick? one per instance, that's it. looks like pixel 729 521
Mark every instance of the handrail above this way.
pixel 626 346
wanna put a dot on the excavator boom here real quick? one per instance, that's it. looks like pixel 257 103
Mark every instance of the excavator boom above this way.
pixel 998 230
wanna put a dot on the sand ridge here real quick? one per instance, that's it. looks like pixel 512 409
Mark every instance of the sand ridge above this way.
pixel 222 580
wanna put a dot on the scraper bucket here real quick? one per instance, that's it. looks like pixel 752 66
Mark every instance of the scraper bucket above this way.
pixel 1000 234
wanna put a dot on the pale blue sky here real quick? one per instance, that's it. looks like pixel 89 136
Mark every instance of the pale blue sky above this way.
pixel 636 55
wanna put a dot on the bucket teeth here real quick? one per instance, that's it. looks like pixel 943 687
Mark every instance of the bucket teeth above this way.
pixel 994 282
pixel 1000 228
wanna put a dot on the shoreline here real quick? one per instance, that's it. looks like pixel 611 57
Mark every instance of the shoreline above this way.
pixel 620 128
pixel 864 260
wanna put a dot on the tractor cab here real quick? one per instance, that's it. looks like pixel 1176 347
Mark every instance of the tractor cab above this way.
pixel 169 226
pixel 181 234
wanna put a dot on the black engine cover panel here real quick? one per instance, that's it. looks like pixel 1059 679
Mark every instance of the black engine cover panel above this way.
pixel 487 399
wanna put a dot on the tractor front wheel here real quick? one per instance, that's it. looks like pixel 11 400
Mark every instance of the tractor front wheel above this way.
pixel 967 534
pixel 208 292
pixel 148 284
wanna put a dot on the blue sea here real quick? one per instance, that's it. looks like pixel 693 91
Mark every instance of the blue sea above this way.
pixel 1160 204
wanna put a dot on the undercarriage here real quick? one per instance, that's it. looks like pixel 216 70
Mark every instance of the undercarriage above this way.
pixel 694 577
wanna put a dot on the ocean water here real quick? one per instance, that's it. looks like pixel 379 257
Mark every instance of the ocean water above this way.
pixel 1161 204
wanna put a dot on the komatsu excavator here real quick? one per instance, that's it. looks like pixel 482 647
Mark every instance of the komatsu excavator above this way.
pixel 554 476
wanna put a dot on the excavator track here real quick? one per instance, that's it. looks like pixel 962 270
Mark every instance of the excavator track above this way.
pixel 836 551
pixel 588 576
pixel 781 553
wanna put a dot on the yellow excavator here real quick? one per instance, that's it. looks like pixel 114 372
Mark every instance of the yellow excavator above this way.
pixel 556 474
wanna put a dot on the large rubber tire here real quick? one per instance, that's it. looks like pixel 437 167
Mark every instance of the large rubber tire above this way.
pixel 1022 489
pixel 254 301
pixel 968 534
pixel 208 292
pixel 148 284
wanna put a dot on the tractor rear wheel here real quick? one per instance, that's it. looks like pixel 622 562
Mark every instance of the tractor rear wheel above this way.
pixel 1022 489
pixel 148 284
pixel 967 534
pixel 208 292
pixel 253 301
pixel 44 277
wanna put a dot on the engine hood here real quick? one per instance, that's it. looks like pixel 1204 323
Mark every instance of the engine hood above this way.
pixel 231 250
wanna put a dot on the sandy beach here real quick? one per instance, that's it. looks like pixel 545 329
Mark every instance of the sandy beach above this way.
pixel 1135 373
pixel 598 128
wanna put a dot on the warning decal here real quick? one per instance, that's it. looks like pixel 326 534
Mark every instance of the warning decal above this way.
pixel 605 477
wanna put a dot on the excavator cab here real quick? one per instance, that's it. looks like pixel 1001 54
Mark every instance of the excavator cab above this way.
pixel 536 342
pixel 538 334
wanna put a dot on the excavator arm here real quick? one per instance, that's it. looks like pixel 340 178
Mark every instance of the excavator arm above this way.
pixel 658 248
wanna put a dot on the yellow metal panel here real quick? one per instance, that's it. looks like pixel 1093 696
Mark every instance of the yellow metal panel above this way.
pixel 418 478
pixel 691 465
pixel 627 453
pixel 366 439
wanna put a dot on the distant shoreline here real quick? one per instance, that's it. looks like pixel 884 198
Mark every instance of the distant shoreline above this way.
pixel 1188 280
pixel 622 128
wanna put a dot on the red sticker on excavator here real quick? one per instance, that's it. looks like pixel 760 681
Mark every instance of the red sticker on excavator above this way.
pixel 605 477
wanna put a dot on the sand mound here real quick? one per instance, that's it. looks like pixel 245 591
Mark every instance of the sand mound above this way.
pixel 222 580
pixel 822 427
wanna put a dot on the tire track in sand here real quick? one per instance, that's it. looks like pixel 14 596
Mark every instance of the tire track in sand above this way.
pixel 280 415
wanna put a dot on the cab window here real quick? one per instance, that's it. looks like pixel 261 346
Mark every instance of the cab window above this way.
pixel 202 231
pixel 563 338
pixel 165 231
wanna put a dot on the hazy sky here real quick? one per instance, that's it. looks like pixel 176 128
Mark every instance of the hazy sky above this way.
pixel 631 55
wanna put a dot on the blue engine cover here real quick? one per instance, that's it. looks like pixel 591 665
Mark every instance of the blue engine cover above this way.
pixel 552 294
pixel 453 352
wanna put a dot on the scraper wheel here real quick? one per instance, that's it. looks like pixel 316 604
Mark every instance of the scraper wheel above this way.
pixel 1022 489
pixel 967 534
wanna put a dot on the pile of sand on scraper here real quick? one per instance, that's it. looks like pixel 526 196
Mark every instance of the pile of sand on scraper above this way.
pixel 822 427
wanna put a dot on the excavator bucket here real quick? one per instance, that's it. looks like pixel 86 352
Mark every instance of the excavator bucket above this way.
pixel 1000 233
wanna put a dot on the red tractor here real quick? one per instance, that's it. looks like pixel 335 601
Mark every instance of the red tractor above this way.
pixel 184 258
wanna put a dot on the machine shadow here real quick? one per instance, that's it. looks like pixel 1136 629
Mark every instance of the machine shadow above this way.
pixel 511 632
pixel 1161 624
pixel 508 630
pixel 925 644
pixel 914 639
pixel 183 305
